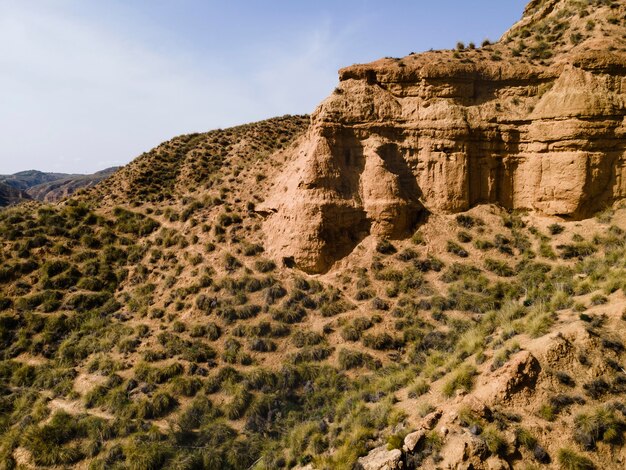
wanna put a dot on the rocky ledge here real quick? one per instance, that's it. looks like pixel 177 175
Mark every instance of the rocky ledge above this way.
pixel 511 123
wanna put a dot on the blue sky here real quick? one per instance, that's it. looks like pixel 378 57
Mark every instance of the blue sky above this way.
pixel 88 84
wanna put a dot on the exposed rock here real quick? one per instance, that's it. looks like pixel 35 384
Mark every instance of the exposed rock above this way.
pixel 541 455
pixel 496 463
pixel 381 459
pixel 413 440
pixel 443 131
pixel 477 407
pixel 519 373
pixel 463 451
pixel 475 429
pixel 431 419
pixel 306 467
pixel 455 453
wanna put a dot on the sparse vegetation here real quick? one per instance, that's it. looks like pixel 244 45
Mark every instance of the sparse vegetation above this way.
pixel 143 324
pixel 570 460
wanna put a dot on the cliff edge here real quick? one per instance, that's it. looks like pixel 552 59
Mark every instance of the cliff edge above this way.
pixel 534 121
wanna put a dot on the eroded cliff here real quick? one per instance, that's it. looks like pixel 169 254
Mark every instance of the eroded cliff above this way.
pixel 534 121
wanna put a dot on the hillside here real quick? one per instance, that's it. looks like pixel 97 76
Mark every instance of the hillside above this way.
pixel 427 272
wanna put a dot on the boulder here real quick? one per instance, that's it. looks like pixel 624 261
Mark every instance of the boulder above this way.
pixel 381 459
pixel 413 440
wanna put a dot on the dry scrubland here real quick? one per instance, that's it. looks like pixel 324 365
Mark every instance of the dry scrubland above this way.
pixel 158 334
pixel 145 323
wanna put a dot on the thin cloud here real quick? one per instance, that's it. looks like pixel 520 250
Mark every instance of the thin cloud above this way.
pixel 84 82
pixel 76 95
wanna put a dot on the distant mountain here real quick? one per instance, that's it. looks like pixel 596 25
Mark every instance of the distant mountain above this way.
pixel 59 188
pixel 27 179
pixel 48 187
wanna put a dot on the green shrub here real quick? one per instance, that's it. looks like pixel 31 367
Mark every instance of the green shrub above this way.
pixel 349 359
pixel 262 345
pixel 464 237
pixel 599 299
pixel 311 354
pixel 412 279
pixel 240 401
pixel 418 388
pixel 54 267
pixel 458 271
pixel 570 460
pixel 601 425
pixel 555 229
pixel 462 379
pixel 293 314
pixel 135 223
pixel 364 294
pixel 83 302
pixel 381 341
pixel 350 333
pixel 456 249
pixel 407 254
pixel 379 304
pixel 142 453
pixel 264 265
pixel 576 250
pixel 306 338
pixel 158 374
pixel 49 443
pixel 252 249
pixel 5 303
pixel 389 274
pixel 524 437
pixel 429 264
pixel 395 441
pixel 483 245
pixel 418 238
pixel 500 268
pixel 467 221
pixel 161 404
pixel 495 441
pixel 385 247
pixel 231 263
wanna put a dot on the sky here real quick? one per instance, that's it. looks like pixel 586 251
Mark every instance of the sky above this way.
pixel 90 84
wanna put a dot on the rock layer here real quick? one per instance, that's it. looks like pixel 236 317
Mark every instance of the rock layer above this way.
pixel 443 131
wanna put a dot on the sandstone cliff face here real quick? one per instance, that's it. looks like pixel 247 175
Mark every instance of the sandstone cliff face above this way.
pixel 443 131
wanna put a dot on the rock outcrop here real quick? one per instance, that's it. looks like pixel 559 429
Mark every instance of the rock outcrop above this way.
pixel 519 373
pixel 524 123
pixel 381 459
